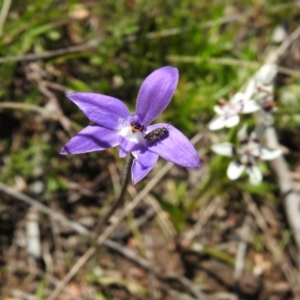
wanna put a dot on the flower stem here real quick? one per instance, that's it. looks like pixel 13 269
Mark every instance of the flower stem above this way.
pixel 119 200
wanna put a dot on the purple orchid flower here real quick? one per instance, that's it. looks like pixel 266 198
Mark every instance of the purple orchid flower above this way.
pixel 115 125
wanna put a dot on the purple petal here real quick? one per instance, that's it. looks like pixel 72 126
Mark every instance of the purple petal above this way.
pixel 91 138
pixel 125 146
pixel 175 148
pixel 103 110
pixel 156 92
pixel 142 164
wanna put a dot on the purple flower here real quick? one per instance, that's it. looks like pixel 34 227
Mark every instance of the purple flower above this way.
pixel 113 125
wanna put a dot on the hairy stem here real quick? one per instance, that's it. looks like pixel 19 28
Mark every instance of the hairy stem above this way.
pixel 120 199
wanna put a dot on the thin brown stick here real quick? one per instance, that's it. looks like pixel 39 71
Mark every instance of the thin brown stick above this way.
pixel 242 248
pixel 228 61
pixel 48 54
pixel 208 212
pixel 153 285
pixel 53 214
pixel 24 106
pixel 3 13
pixel 56 115
pixel 291 198
pixel 276 55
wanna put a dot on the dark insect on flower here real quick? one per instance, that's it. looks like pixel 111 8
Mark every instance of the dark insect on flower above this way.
pixel 157 135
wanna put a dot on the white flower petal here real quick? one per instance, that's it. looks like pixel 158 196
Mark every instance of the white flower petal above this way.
pixel 250 106
pixel 269 154
pixel 219 110
pixel 225 149
pixel 266 74
pixel 235 170
pixel 217 123
pixel 232 121
pixel 238 97
pixel 242 133
pixel 254 175
pixel 250 89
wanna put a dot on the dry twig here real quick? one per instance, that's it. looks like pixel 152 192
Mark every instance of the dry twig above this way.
pixel 4 12
pixel 242 248
pixel 48 54
pixel 53 214
pixel 208 212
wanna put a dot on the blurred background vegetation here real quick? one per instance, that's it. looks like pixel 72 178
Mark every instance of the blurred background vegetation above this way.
pixel 49 48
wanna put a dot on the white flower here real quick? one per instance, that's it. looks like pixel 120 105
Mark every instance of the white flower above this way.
pixel 247 156
pixel 228 112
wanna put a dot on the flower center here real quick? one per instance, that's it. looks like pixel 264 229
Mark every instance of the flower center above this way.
pixel 249 153
pixel 247 160
pixel 232 109
pixel 132 129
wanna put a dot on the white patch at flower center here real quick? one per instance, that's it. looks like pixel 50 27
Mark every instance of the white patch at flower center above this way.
pixel 129 133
